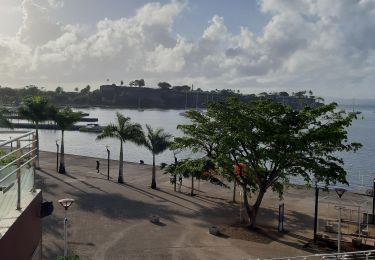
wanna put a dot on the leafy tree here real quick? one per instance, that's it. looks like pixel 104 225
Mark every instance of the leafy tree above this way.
pixel 65 119
pixel 164 85
pixel 59 90
pixel 86 90
pixel 171 168
pixel 201 168
pixel 156 141
pixel 271 142
pixel 183 88
pixel 300 94
pixel 284 94
pixel 121 83
pixel 4 122
pixel 36 109
pixel 124 131
pixel 137 82
pixel 76 89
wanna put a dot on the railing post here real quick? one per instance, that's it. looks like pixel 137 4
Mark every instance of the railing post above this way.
pixel 19 154
pixel 33 154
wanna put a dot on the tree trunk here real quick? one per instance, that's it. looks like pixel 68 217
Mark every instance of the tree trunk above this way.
pixel 37 144
pixel 234 190
pixel 153 182
pixel 252 211
pixel 121 166
pixel 192 185
pixel 175 175
pixel 62 155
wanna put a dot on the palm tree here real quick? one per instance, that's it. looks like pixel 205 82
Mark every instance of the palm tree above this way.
pixel 156 141
pixel 35 109
pixel 125 131
pixel 65 119
pixel 4 122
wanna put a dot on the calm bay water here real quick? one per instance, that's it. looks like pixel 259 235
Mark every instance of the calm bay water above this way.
pixel 80 143
pixel 360 166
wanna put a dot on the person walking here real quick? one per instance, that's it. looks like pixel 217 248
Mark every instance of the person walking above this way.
pixel 97 166
pixel 180 183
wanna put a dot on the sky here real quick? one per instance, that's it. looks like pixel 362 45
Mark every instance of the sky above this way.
pixel 248 45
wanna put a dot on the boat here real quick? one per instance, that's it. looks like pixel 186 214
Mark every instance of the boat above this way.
pixel 92 128
pixel 354 113
pixel 182 113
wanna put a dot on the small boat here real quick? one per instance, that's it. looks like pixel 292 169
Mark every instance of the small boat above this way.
pixel 92 128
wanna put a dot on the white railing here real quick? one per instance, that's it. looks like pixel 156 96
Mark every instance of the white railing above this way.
pixel 17 169
pixel 365 255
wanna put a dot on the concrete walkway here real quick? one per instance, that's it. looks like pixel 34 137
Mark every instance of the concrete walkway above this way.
pixel 111 221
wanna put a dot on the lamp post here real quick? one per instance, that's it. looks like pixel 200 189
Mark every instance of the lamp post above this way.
pixel 57 155
pixel 108 154
pixel 373 202
pixel 316 209
pixel 340 192
pixel 66 203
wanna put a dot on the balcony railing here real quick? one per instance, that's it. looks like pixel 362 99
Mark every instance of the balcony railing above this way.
pixel 360 255
pixel 17 172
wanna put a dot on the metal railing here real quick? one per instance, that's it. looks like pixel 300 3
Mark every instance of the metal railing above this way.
pixel 17 169
pixel 365 255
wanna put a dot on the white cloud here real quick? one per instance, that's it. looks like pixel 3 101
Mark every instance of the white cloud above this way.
pixel 307 44
pixel 56 3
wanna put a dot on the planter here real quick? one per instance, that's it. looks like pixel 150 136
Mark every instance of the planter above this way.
pixel 329 228
pixel 214 230
pixel 357 242
pixel 155 219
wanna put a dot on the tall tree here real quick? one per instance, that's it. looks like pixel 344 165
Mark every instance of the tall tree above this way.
pixel 137 82
pixel 65 119
pixel 86 90
pixel 164 85
pixel 156 141
pixel 36 109
pixel 4 122
pixel 124 131
pixel 270 142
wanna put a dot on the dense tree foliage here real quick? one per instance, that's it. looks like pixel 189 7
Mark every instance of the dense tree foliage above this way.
pixel 164 85
pixel 270 143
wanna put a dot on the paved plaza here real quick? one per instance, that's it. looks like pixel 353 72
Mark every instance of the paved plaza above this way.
pixel 112 221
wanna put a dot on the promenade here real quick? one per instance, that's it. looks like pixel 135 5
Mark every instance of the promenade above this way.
pixel 111 221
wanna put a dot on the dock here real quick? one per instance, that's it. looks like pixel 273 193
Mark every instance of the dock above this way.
pixel 43 126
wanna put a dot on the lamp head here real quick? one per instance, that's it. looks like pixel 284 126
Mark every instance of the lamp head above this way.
pixel 340 192
pixel 66 203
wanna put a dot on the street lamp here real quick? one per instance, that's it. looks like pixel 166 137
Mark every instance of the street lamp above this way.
pixel 108 153
pixel 66 203
pixel 316 209
pixel 340 192
pixel 57 155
